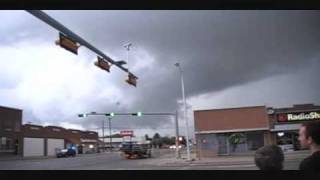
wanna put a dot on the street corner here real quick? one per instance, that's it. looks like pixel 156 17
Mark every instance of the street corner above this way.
pixel 176 162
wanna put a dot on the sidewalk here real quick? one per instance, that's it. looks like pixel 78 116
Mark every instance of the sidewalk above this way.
pixel 225 160
pixel 19 157
pixel 10 158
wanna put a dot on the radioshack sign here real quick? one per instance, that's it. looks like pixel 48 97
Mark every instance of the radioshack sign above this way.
pixel 126 133
pixel 298 117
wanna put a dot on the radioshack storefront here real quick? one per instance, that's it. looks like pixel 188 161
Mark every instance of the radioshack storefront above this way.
pixel 286 123
pixel 245 129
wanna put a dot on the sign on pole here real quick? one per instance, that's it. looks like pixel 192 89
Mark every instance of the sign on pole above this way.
pixel 126 133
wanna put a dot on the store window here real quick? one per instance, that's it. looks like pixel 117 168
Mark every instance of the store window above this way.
pixel 6 144
pixel 284 138
pixel 3 141
pixel 255 140
pixel 207 141
pixel 237 142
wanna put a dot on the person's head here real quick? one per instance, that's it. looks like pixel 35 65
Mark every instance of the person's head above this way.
pixel 269 158
pixel 309 134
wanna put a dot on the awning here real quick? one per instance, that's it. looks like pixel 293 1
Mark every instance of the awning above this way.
pixel 231 130
pixel 285 127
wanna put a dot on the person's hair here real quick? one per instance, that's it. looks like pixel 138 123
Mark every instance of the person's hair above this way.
pixel 269 158
pixel 313 130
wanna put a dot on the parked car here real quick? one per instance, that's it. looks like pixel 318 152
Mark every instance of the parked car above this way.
pixel 65 152
pixel 174 147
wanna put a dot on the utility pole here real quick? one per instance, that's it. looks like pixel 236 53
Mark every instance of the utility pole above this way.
pixel 110 133
pixel 177 136
pixel 103 146
pixel 185 109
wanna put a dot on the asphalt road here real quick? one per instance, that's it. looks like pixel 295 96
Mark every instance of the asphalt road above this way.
pixel 113 161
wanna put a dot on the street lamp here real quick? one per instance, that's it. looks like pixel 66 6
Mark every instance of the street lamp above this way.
pixel 110 134
pixel 127 46
pixel 185 108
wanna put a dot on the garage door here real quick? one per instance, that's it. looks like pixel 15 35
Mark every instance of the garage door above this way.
pixel 33 147
pixel 53 144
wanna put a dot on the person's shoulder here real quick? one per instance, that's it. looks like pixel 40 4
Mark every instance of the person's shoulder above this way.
pixel 312 162
pixel 306 163
pixel 316 154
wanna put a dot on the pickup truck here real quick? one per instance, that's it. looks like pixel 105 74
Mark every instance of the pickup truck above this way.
pixel 130 150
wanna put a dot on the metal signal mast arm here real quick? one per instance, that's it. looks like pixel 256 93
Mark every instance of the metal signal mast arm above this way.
pixel 55 24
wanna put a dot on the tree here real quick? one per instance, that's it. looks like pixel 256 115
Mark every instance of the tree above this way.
pixel 147 137
pixel 235 139
pixel 165 140
pixel 172 140
pixel 156 136
pixel 156 140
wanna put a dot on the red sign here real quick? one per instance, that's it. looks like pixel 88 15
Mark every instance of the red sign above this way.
pixel 282 118
pixel 126 133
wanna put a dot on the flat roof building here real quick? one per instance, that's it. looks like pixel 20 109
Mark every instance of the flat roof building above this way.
pixel 10 131
pixel 245 129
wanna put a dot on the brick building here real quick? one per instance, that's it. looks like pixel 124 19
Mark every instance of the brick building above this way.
pixel 35 140
pixel 42 141
pixel 10 131
pixel 245 129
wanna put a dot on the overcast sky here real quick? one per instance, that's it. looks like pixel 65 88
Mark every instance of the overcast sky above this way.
pixel 229 59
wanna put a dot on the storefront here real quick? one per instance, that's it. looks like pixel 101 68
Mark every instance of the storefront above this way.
pixel 285 124
pixel 245 129
pixel 230 131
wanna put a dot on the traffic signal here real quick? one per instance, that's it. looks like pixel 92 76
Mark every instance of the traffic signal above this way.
pixel 137 114
pixel 102 64
pixel 82 115
pixel 110 114
pixel 67 43
pixel 132 79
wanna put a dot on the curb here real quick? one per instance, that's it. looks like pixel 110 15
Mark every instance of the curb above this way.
pixel 220 161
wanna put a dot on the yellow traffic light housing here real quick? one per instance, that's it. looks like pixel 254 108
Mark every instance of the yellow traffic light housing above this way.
pixel 132 79
pixel 67 43
pixel 102 64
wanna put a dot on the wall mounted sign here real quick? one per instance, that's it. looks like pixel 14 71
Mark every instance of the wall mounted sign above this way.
pixel 298 116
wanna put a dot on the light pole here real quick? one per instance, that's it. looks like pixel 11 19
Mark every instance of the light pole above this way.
pixel 185 109
pixel 110 134
pixel 177 135
pixel 103 146
pixel 127 46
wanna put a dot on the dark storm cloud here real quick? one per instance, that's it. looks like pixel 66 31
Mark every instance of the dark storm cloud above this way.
pixel 217 49
pixel 225 47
